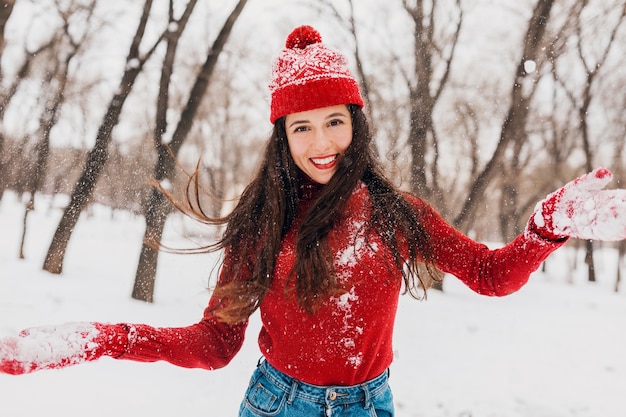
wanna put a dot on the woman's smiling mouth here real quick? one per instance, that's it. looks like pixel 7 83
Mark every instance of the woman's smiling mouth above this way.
pixel 325 162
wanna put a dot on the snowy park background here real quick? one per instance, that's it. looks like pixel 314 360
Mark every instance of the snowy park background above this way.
pixel 557 348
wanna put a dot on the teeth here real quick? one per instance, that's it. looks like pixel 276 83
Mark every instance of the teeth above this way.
pixel 324 161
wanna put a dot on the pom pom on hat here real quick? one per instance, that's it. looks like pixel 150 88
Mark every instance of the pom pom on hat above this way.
pixel 303 36
pixel 308 75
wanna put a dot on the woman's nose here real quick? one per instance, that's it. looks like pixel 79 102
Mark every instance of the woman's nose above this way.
pixel 321 139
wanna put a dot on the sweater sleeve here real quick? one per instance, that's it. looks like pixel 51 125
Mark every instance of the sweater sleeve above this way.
pixel 209 344
pixel 494 272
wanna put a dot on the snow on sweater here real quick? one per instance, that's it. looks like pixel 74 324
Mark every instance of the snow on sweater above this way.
pixel 349 340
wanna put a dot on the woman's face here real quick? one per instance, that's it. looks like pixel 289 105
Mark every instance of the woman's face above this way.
pixel 318 139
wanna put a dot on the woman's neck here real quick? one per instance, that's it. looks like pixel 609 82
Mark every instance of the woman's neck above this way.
pixel 308 189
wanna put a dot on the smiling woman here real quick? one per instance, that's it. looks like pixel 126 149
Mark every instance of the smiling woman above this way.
pixel 322 244
pixel 318 139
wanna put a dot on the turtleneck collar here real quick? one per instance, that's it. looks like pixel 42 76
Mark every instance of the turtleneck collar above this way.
pixel 307 189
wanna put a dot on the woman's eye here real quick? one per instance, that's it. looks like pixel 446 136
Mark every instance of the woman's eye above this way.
pixel 300 129
pixel 335 122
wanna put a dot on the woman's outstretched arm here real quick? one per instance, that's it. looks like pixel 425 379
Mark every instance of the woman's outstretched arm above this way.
pixel 208 344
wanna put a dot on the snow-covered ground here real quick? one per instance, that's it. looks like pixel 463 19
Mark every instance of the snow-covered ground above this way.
pixel 557 348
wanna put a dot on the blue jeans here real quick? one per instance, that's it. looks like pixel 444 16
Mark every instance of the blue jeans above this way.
pixel 272 393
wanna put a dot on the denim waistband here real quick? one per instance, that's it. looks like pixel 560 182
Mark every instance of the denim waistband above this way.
pixel 328 395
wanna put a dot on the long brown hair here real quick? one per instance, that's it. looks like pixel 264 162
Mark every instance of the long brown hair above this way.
pixel 266 211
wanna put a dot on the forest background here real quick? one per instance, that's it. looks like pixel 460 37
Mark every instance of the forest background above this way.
pixel 481 107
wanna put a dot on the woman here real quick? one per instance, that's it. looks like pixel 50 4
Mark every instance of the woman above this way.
pixel 322 244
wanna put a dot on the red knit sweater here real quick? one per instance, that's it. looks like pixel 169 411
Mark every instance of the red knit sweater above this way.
pixel 349 340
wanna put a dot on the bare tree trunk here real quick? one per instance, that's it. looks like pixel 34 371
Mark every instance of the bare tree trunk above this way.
pixel 424 92
pixel 584 127
pixel 22 73
pixel 511 208
pixel 42 149
pixel 423 96
pixel 515 121
pixel 4 101
pixel 98 156
pixel 591 267
pixel 619 171
pixel 47 120
pixel 157 208
pixel 592 70
pixel 6 96
pixel 6 8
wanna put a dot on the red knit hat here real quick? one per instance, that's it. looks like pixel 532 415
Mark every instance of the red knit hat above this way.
pixel 307 75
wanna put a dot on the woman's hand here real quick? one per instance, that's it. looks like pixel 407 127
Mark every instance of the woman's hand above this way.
pixel 583 210
pixel 53 347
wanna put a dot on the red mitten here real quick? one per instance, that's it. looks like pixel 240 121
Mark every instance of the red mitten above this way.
pixel 583 210
pixel 59 346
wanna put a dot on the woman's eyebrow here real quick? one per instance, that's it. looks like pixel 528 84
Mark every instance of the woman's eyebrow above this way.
pixel 295 122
